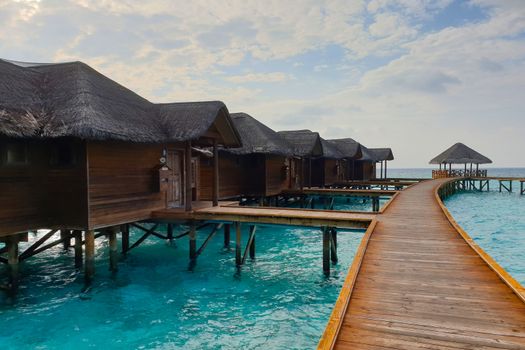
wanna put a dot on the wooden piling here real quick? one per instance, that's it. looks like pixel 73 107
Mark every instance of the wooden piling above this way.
pixel 13 262
pixel 65 236
pixel 326 251
pixel 193 242
pixel 113 249
pixel 125 238
pixel 333 245
pixel 169 232
pixel 252 244
pixel 78 248
pixel 227 228
pixel 89 260
pixel 238 258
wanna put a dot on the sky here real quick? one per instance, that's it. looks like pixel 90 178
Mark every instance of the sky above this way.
pixel 413 75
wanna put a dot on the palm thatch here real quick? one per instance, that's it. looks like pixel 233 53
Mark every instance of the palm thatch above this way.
pixel 330 151
pixel 348 147
pixel 367 155
pixel 381 154
pixel 257 138
pixel 73 99
pixel 305 143
pixel 460 154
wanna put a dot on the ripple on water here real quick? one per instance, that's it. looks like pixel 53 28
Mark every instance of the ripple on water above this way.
pixel 280 300
pixel 496 221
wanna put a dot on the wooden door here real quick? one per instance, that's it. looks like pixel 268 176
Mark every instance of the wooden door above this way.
pixel 174 162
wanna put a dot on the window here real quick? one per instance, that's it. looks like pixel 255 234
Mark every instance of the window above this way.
pixel 15 154
pixel 62 154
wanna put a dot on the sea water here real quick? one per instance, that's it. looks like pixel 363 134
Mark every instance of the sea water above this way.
pixel 496 222
pixel 279 300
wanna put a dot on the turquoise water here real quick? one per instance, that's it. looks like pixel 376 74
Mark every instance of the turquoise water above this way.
pixel 427 172
pixel 279 300
pixel 496 221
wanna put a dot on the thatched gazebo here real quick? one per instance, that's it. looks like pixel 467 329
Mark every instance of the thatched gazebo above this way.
pixel 459 154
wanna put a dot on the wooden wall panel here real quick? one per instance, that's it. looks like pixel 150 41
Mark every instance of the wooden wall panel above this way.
pixel 123 182
pixel 40 194
pixel 330 172
pixel 277 179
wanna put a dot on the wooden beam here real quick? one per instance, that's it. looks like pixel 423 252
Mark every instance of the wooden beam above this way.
pixel 169 232
pixel 215 185
pixel 89 262
pixel 238 259
pixel 227 229
pixel 333 245
pixel 207 240
pixel 65 235
pixel 326 251
pixel 187 177
pixel 250 246
pixel 29 251
pixel 193 242
pixel 151 231
pixel 147 233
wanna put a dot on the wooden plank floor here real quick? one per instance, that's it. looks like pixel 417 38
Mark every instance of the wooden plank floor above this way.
pixel 421 286
pixel 281 216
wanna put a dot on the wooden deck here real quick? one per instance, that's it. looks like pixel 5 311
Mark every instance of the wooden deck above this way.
pixel 421 286
pixel 281 216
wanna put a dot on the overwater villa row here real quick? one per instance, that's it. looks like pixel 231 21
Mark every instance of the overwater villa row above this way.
pixel 86 156
pixel 83 157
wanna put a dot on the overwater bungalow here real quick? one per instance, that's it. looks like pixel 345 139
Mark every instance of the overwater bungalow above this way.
pixel 329 168
pixel 382 156
pixel 351 151
pixel 80 152
pixel 462 155
pixel 262 167
pixel 306 146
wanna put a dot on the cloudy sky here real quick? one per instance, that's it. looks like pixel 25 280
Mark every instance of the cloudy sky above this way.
pixel 415 75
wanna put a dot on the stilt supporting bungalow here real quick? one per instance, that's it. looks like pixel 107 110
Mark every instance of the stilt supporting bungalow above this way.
pixel 78 248
pixel 89 261
pixel 227 229
pixel 113 249
pixel 238 236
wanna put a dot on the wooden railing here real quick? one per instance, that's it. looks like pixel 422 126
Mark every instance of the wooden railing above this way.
pixel 439 174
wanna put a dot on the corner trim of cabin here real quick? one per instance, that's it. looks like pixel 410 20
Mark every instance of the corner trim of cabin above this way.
pixel 335 321
pixel 513 284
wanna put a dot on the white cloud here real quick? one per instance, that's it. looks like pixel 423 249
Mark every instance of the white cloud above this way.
pixel 274 77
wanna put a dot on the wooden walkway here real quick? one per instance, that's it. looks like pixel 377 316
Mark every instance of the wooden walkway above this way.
pixel 420 286
pixel 281 216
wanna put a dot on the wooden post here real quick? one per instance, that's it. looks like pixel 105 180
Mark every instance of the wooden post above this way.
pixel 187 177
pixel 78 248
pixel 13 262
pixel 381 170
pixel 252 245
pixel 193 242
pixel 326 251
pixel 386 162
pixel 169 232
pixel 238 258
pixel 113 249
pixel 310 172
pixel 89 263
pixel 227 228
pixel 65 235
pixel 215 194
pixel 125 238
pixel 333 245
pixel 301 182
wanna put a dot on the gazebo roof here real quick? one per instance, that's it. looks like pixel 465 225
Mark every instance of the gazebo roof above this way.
pixel 460 154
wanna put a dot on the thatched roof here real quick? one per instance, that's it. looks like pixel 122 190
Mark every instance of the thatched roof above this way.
pixel 381 154
pixel 367 155
pixel 349 148
pixel 257 138
pixel 72 99
pixel 305 143
pixel 330 151
pixel 460 154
